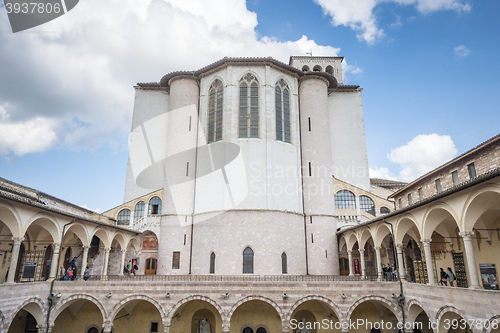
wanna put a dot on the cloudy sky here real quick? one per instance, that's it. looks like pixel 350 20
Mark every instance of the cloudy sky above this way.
pixel 428 68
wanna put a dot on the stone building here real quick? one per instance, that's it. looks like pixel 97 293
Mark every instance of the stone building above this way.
pixel 248 208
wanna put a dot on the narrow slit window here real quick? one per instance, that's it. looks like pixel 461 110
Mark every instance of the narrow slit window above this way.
pixel 176 260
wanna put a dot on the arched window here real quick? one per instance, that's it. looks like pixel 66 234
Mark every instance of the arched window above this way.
pixel 317 68
pixel 139 211
pixel 215 103
pixel 282 102
pixel 329 70
pixel 384 210
pixel 124 217
pixel 248 261
pixel 93 330
pixel 345 200
pixel 366 204
pixel 284 265
pixel 154 206
pixel 247 330
pixel 261 330
pixel 249 107
pixel 305 68
pixel 212 263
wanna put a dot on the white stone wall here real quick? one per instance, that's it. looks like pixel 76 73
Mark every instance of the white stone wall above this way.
pixel 147 143
pixel 266 173
pixel 268 233
pixel 348 138
pixel 336 62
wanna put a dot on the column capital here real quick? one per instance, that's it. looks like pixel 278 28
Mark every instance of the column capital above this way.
pixel 107 249
pixel 18 240
pixel 400 247
pixel 86 247
pixel 361 250
pixel 466 234
pixel 349 251
pixel 377 248
pixel 426 241
pixel 123 251
pixel 107 327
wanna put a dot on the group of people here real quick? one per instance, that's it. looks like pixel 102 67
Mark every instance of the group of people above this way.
pixel 130 268
pixel 446 277
pixel 70 272
pixel 389 272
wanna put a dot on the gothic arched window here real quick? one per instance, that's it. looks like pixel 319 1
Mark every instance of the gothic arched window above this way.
pixel 248 261
pixel 215 103
pixel 248 124
pixel 124 217
pixel 345 200
pixel 282 103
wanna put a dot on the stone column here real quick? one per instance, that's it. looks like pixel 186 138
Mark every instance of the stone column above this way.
pixel 401 268
pixel 85 256
pixel 55 260
pixel 379 263
pixel 14 258
pixel 428 261
pixel 106 259
pixel 471 259
pixel 122 262
pixel 363 265
pixel 351 263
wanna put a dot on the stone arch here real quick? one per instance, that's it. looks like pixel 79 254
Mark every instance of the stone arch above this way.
pixel 445 310
pixel 135 243
pixel 212 81
pixel 50 225
pixel 381 300
pixel 489 197
pixel 351 241
pixel 492 323
pixel 363 237
pixel 340 314
pixel 380 232
pixel 35 306
pixel 103 235
pixel 411 304
pixel 11 218
pixel 67 301
pixel 3 322
pixel 403 225
pixel 120 239
pixel 140 297
pixel 80 231
pixel 259 80
pixel 254 298
pixel 183 301
pixel 434 216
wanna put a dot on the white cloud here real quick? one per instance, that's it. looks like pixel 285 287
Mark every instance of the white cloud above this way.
pixel 382 173
pixel 422 154
pixel 73 77
pixel 462 51
pixel 31 136
pixel 360 16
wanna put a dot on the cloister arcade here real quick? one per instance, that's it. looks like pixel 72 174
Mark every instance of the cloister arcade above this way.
pixel 461 232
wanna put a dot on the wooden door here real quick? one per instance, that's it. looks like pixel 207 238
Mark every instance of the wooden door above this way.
pixel 150 268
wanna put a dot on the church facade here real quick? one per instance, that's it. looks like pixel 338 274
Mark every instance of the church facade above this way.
pixel 248 208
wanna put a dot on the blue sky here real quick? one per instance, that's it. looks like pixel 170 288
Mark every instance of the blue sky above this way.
pixel 429 71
